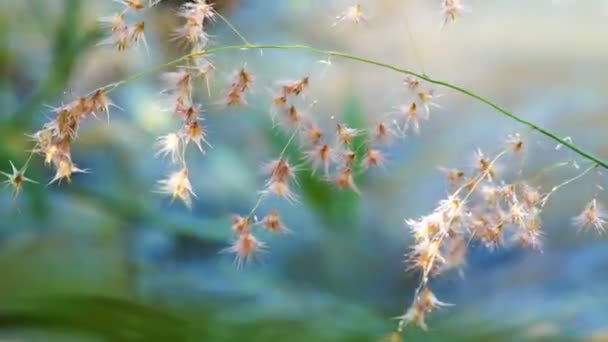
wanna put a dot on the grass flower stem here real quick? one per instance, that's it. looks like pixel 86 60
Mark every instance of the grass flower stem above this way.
pixel 553 136
pixel 283 151
pixel 566 182
pixel 233 29
pixel 442 234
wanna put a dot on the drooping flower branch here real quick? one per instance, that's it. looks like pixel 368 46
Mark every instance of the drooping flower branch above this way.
pixel 551 135
pixel 483 205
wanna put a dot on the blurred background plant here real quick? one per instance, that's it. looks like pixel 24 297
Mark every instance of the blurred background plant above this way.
pixel 103 258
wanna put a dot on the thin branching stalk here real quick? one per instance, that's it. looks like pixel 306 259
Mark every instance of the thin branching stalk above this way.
pixel 553 136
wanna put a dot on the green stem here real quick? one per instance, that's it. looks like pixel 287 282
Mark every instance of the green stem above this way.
pixel 498 108
pixel 566 182
pixel 233 28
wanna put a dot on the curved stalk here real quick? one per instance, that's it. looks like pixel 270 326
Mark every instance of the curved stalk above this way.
pixel 584 154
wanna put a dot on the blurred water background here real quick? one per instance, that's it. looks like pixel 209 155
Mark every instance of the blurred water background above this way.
pixel 104 258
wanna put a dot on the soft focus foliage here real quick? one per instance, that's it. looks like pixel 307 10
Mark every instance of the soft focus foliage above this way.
pixel 301 169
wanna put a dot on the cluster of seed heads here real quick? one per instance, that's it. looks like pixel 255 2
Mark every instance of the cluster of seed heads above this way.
pixel 483 204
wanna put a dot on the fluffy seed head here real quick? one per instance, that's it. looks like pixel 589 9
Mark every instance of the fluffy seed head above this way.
pixel 352 14
pixel 169 145
pixel 240 224
pixel 345 179
pixel 64 168
pixel 593 216
pixel 484 165
pixel 452 10
pixel 193 131
pixel 296 88
pixel 372 159
pixel 382 133
pixel 411 82
pixel 346 134
pixel 245 247
pixel 319 157
pixel 178 186
pixel 273 223
pixel 15 179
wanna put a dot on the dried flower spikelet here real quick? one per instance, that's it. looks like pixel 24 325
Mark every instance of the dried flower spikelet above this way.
pixel 280 174
pixel 412 83
pixel 345 179
pixel 484 165
pixel 454 253
pixel 49 152
pixel 203 68
pixel 425 255
pixel 296 88
pixel 15 179
pixel 119 38
pixel 101 103
pixel 245 247
pixel 138 35
pixel 242 80
pixel 426 227
pixel 179 84
pixel 530 196
pixel 429 301
pixel 273 223
pixel 292 118
pixel 189 113
pixel 319 157
pixel 169 145
pixel 424 303
pixel 346 134
pixel 201 9
pixel 454 177
pixel 64 168
pixel 515 143
pixel 452 208
pixel 114 22
pixel 491 234
pixel 382 133
pixel 43 139
pixel 65 123
pixel 414 315
pixel 349 158
pixel 279 101
pixel 132 4
pixel 194 14
pixel 517 214
pixel 241 224
pixel 280 189
pixel 593 216
pixel 234 98
pixel 352 14
pixel 507 192
pixel 194 131
pixel 373 159
pixel 452 10
pixel 178 186
pixel 279 170
pixel 530 234
pixel 411 117
pixel 491 194
pixel 311 134
pixel 427 98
